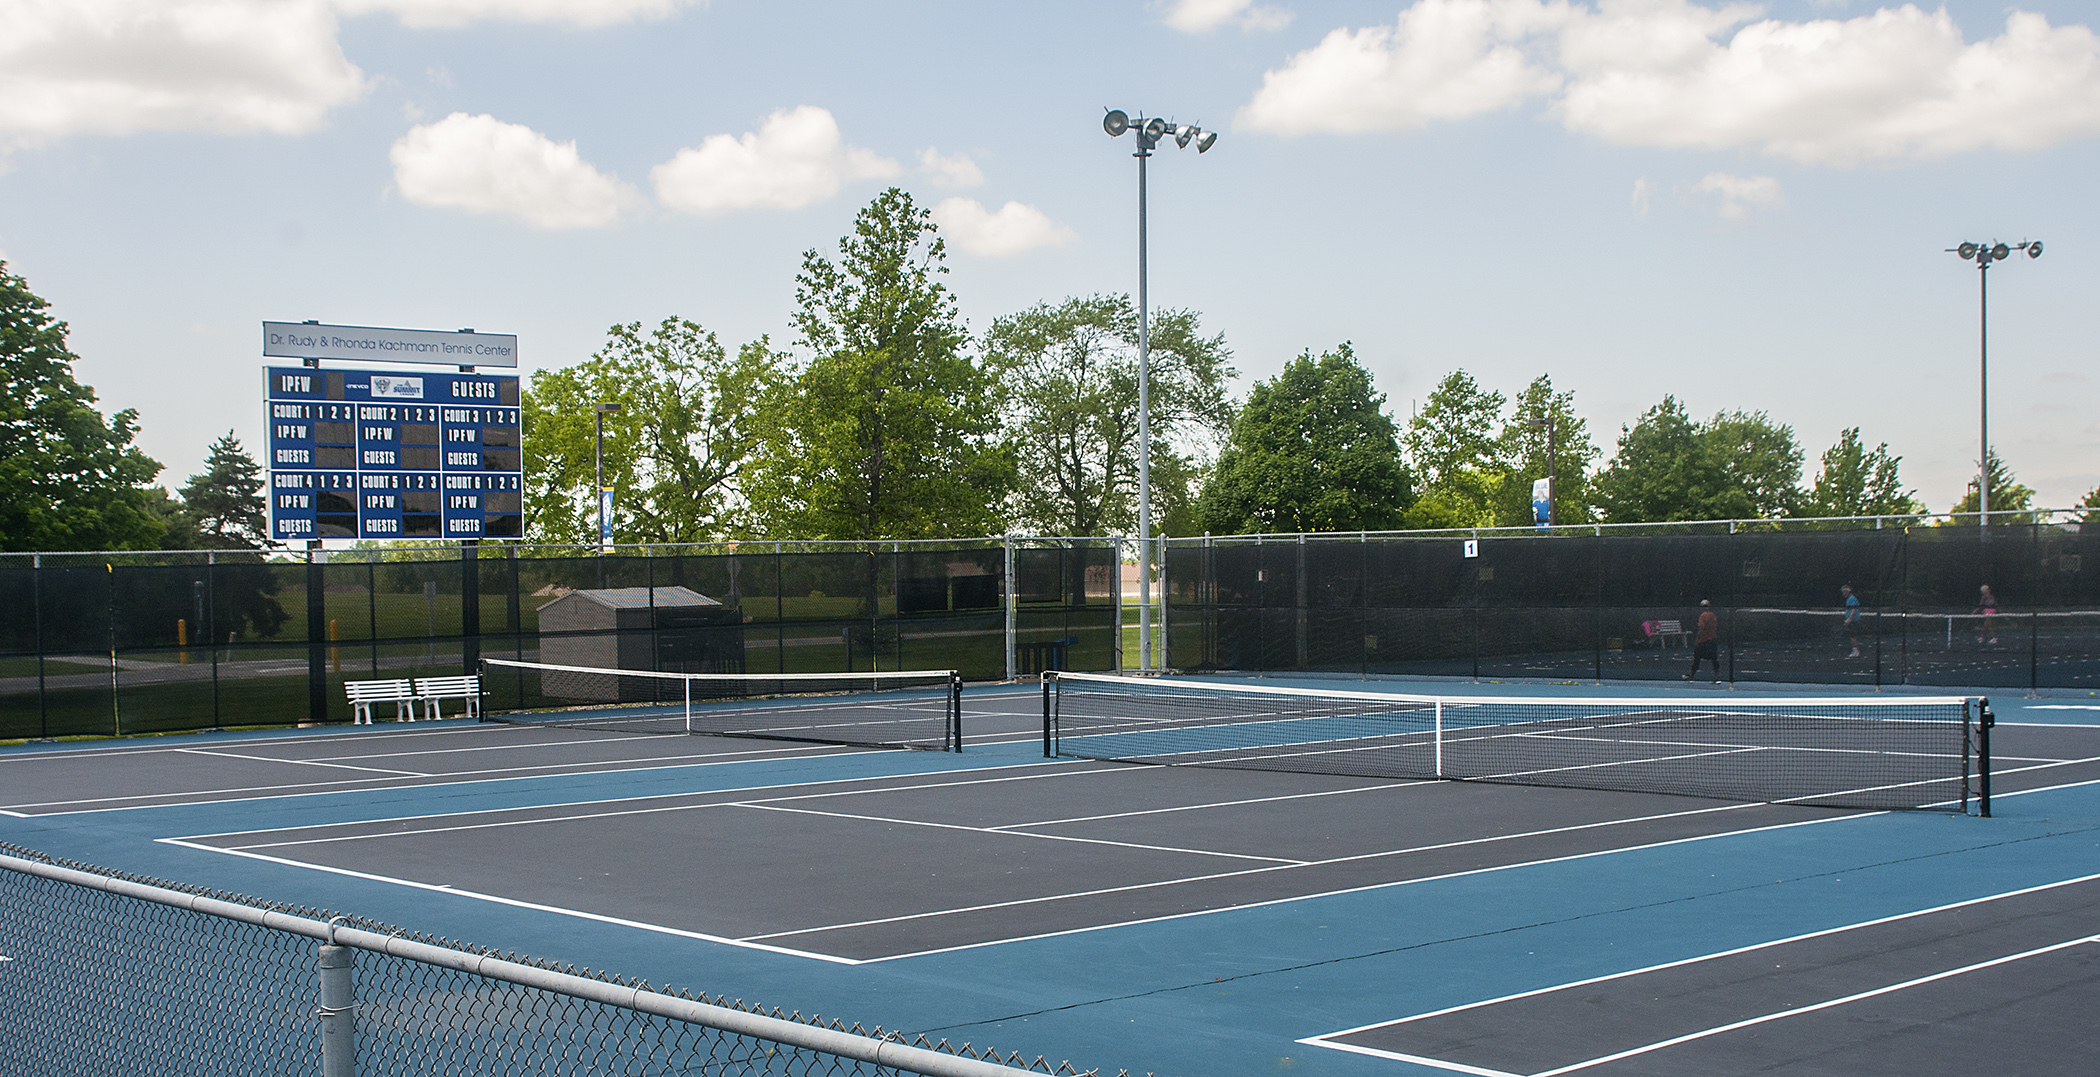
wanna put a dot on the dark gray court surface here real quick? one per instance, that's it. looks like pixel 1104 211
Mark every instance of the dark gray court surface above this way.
pixel 1950 990
pixel 854 857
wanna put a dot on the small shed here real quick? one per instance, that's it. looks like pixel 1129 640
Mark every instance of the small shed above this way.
pixel 665 629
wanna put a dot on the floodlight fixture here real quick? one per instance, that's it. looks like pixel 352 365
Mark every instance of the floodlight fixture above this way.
pixel 1983 254
pixel 1210 138
pixel 1116 122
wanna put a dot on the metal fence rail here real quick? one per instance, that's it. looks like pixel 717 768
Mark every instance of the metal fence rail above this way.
pixel 102 973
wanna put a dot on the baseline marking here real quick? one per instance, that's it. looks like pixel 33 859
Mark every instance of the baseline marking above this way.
pixel 1323 1039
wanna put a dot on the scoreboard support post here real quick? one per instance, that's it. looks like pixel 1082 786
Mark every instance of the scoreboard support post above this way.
pixel 470 607
pixel 316 636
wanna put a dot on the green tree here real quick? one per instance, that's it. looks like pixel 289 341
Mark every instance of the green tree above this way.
pixel 1072 407
pixel 224 502
pixel 1736 466
pixel 1530 448
pixel 2007 495
pixel 1312 450
pixel 1451 444
pixel 178 527
pixel 673 452
pixel 1855 482
pixel 1665 471
pixel 69 479
pixel 1760 458
pixel 2090 501
pixel 887 429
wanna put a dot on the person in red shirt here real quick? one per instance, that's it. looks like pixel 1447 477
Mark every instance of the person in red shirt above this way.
pixel 1706 642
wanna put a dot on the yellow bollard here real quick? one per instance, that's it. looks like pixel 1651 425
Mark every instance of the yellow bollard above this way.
pixel 182 640
pixel 335 653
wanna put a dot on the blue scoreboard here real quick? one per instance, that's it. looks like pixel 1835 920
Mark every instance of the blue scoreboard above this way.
pixel 377 454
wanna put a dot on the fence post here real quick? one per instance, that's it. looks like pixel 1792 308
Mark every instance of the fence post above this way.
pixel 338 1010
pixel 43 706
pixel 1013 664
pixel 1304 647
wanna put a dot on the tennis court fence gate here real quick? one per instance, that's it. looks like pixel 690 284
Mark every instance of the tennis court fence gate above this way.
pixel 103 972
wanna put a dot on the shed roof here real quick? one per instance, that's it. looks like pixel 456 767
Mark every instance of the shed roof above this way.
pixel 630 598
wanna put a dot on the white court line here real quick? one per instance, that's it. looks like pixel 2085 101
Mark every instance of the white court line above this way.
pixel 303 762
pixel 1824 1005
pixel 1321 1040
pixel 515 903
pixel 1219 804
pixel 576 770
pixel 245 742
pixel 762 806
pixel 500 747
pixel 516 809
pixel 1260 871
pixel 1356 889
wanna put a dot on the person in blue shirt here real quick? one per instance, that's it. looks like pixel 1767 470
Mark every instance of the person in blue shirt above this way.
pixel 1851 618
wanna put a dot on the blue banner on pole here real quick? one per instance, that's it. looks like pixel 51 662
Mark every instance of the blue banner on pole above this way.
pixel 605 517
pixel 1542 503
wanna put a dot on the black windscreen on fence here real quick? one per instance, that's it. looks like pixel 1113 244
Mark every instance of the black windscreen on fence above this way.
pixel 151 642
pixel 1626 606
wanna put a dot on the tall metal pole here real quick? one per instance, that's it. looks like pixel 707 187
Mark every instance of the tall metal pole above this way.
pixel 598 476
pixel 1983 393
pixel 1552 468
pixel 1144 151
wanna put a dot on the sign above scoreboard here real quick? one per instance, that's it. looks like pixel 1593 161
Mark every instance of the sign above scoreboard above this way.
pixel 312 340
pixel 381 455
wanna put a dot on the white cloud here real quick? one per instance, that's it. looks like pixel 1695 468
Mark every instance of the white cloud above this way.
pixel 114 67
pixel 1014 229
pixel 1203 16
pixel 795 159
pixel 1900 83
pixel 1741 194
pixel 949 170
pixel 427 13
pixel 1642 193
pixel 1443 60
pixel 483 165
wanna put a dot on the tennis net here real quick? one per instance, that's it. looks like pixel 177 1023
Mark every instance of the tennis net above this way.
pixel 902 709
pixel 1906 753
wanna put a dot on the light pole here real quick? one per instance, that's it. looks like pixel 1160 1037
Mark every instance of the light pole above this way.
pixel 1149 132
pixel 598 472
pixel 1983 254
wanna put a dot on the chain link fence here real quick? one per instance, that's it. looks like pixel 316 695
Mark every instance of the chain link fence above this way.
pixel 103 972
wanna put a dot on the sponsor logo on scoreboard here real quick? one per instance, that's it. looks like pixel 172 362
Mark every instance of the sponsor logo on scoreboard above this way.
pixel 386 388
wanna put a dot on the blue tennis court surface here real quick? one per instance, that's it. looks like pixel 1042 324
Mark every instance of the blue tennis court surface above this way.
pixel 1173 920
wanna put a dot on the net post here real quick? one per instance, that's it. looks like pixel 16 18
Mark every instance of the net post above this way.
pixel 688 681
pixel 1983 757
pixel 338 1010
pixel 955 709
pixel 1965 757
pixel 1049 714
pixel 1440 738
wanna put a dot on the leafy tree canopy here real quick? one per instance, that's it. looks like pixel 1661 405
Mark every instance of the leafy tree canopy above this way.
pixel 1855 482
pixel 1072 410
pixel 1737 465
pixel 1312 450
pixel 2007 495
pixel 1531 448
pixel 684 432
pixel 887 429
pixel 69 479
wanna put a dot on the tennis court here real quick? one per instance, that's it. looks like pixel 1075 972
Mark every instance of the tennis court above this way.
pixel 1187 919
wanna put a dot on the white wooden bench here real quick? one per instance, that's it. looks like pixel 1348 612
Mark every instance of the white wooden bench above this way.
pixel 1665 631
pixel 401 693
pixel 430 690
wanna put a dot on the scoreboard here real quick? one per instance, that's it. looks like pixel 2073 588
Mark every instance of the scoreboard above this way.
pixel 383 455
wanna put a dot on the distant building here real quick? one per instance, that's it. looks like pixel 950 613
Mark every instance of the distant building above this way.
pixel 663 629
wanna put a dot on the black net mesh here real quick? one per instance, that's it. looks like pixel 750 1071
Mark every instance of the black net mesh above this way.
pixel 1618 605
pixel 1891 754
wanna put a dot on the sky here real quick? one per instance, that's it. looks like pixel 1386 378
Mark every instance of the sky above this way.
pixel 1746 206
